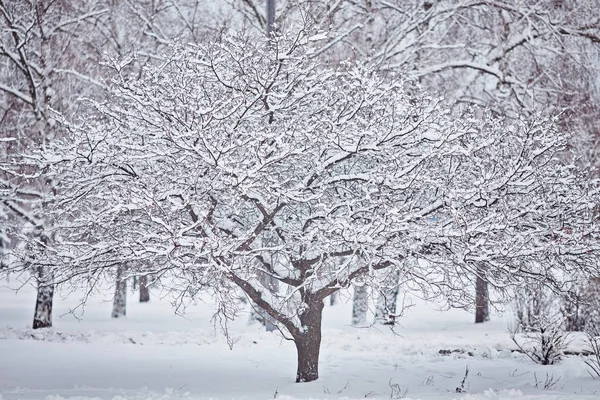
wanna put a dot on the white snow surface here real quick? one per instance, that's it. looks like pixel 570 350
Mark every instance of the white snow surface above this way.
pixel 154 354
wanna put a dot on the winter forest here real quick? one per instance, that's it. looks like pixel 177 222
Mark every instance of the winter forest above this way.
pixel 299 199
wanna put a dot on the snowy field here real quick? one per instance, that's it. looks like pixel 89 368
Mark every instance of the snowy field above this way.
pixel 154 354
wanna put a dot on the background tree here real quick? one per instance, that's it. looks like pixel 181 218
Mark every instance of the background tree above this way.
pixel 51 54
pixel 42 69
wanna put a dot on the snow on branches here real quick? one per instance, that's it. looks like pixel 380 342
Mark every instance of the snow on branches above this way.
pixel 228 162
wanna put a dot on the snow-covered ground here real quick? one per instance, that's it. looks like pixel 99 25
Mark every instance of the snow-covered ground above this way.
pixel 155 354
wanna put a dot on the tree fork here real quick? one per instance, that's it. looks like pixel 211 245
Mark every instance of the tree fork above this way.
pixel 307 338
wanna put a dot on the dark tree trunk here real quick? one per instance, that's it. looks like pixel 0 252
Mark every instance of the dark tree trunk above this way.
pixel 308 342
pixel 482 311
pixel 333 299
pixel 120 299
pixel 2 265
pixel 144 292
pixel 360 305
pixel 42 317
pixel 385 312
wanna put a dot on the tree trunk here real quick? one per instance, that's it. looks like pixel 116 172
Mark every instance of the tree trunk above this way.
pixel 120 299
pixel 333 299
pixel 360 305
pixel 2 265
pixel 42 317
pixel 482 311
pixel 385 312
pixel 144 291
pixel 308 342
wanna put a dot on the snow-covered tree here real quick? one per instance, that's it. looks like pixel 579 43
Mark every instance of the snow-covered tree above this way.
pixel 41 69
pixel 230 160
pixel 50 55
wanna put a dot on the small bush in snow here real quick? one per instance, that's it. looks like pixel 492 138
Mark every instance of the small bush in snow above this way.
pixel 543 341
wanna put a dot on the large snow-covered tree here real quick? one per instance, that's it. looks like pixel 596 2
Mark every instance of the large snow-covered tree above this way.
pixel 225 161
